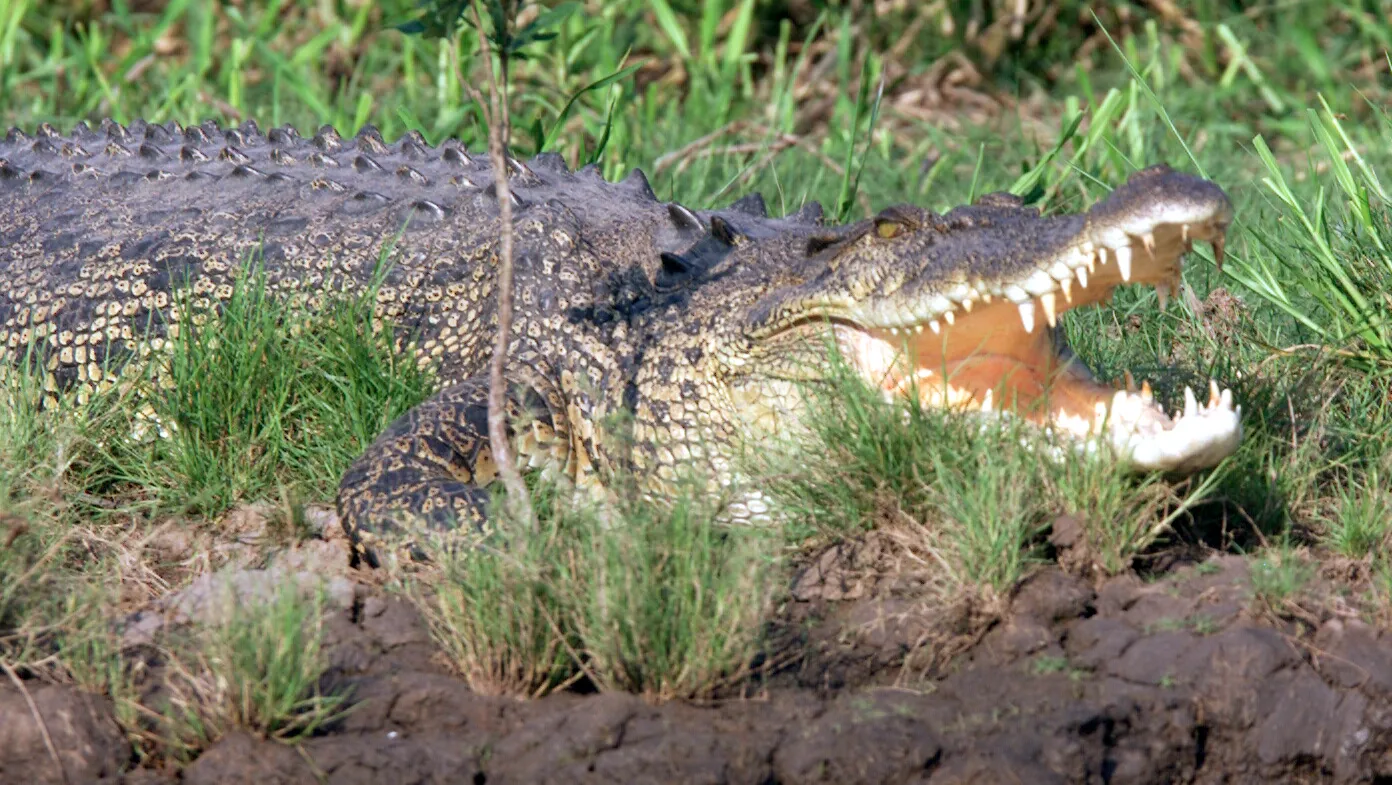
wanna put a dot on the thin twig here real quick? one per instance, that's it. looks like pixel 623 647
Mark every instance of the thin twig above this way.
pixel 38 720
pixel 498 133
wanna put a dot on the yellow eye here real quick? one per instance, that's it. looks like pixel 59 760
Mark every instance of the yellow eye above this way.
pixel 889 229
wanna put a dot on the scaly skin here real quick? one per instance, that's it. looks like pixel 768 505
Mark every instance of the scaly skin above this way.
pixel 697 326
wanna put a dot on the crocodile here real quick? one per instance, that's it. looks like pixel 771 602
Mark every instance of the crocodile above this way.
pixel 696 327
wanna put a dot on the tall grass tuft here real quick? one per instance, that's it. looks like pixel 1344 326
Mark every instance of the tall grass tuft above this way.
pixel 1333 270
pixel 259 670
pixel 654 597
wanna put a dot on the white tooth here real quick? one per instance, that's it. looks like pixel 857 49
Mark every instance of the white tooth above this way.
pixel 1082 276
pixel 1015 294
pixel 1039 282
pixel 1225 400
pixel 949 317
pixel 1050 304
pixel 986 402
pixel 918 328
pixel 1184 232
pixel 967 305
pixel 1067 285
pixel 1101 258
pixel 1162 291
pixel 1123 255
pixel 894 331
pixel 1119 407
pixel 1191 404
pixel 1027 315
pixel 935 326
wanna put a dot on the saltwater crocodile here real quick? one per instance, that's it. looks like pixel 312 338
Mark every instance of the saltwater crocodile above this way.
pixel 698 325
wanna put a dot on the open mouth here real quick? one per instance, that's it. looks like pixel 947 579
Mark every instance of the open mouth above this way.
pixel 994 348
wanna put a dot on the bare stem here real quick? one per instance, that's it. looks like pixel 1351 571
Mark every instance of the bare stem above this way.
pixel 498 133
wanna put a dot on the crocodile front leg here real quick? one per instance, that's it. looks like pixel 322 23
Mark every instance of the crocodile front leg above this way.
pixel 426 477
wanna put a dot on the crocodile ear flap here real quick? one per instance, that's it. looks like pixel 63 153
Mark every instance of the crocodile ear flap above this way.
pixel 895 221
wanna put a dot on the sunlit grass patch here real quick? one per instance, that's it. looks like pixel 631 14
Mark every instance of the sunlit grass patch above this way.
pixel 500 609
pixel 1359 523
pixel 967 487
pixel 260 398
pixel 652 597
pixel 258 668
pixel 671 603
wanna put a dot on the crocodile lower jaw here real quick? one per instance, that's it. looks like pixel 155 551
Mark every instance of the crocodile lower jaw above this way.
pixel 992 357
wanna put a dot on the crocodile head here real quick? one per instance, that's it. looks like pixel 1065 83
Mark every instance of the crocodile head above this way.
pixel 961 309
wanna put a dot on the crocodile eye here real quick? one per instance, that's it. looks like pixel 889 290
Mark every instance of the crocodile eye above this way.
pixel 896 220
pixel 888 228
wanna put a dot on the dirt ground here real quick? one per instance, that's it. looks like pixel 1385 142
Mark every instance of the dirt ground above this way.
pixel 1178 678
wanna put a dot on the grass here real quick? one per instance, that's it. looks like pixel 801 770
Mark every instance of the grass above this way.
pixel 643 596
pixel 1282 104
pixel 260 400
pixel 259 670
pixel 971 511
pixel 260 386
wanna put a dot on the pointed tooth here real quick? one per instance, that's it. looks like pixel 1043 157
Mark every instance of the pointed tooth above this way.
pixel 949 317
pixel 987 297
pixel 1027 315
pixel 1191 404
pixel 1123 256
pixel 894 331
pixel 1225 400
pixel 1100 258
pixel 1162 292
pixel 967 305
pixel 937 328
pixel 1050 304
pixel 918 328
pixel 987 402
pixel 1218 243
pixel 1147 395
pixel 1213 395
pixel 1082 276
pixel 1067 285
pixel 1148 240
pixel 1130 382
pixel 1184 232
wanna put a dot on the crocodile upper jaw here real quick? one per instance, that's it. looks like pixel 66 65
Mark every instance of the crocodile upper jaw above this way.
pixel 996 356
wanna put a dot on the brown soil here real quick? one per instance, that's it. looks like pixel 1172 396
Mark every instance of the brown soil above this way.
pixel 1180 679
